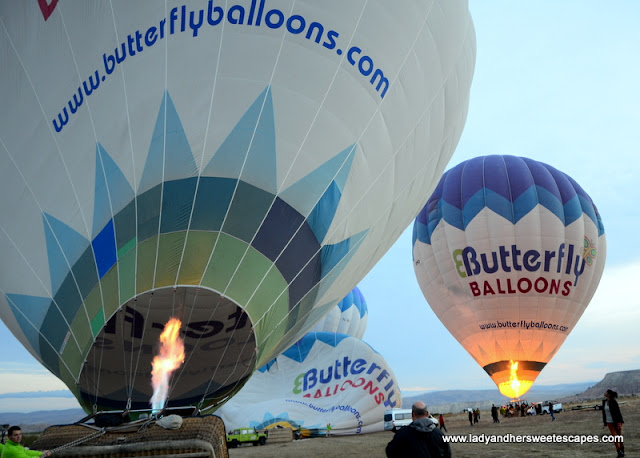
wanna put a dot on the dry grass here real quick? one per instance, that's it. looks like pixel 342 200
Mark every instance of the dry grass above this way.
pixel 568 423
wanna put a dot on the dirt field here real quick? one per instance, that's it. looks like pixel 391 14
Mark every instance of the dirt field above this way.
pixel 568 423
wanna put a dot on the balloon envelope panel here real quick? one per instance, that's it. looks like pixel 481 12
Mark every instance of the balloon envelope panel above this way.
pixel 349 316
pixel 508 252
pixel 323 378
pixel 240 165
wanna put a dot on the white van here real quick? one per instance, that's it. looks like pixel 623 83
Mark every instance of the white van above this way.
pixel 397 418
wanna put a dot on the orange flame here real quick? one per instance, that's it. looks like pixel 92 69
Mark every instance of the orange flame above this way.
pixel 514 388
pixel 169 358
pixel 515 383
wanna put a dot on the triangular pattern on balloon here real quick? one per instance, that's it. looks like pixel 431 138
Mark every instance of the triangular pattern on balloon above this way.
pixel 322 215
pixel 353 299
pixel 112 190
pixel 539 353
pixel 483 352
pixel 311 317
pixel 336 257
pixel 301 349
pixel 29 312
pixel 249 151
pixel 333 255
pixel 550 353
pixel 170 156
pixel 308 192
pixel 544 185
pixel 64 248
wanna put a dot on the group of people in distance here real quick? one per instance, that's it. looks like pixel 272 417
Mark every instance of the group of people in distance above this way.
pixel 474 415
pixel 423 437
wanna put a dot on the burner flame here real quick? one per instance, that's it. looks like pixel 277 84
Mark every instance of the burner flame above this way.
pixel 169 358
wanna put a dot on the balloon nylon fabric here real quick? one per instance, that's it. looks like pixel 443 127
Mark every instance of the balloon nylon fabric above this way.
pixel 241 166
pixel 508 252
pixel 324 378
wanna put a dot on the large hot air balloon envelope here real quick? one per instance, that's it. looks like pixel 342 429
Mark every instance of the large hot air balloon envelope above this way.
pixel 238 165
pixel 508 252
pixel 323 378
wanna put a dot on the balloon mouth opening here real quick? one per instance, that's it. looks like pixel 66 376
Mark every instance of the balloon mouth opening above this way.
pixel 514 378
pixel 517 385
pixel 515 389
pixel 219 346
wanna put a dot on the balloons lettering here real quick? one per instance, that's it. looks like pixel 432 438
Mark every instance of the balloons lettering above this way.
pixel 240 166
pixel 508 252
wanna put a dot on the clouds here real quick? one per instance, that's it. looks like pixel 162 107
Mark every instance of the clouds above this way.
pixel 605 339
pixel 18 377
pixel 616 303
pixel 35 404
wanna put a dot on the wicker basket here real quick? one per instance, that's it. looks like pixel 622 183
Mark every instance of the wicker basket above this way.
pixel 198 437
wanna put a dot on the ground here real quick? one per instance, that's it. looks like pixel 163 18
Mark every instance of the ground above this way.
pixel 568 423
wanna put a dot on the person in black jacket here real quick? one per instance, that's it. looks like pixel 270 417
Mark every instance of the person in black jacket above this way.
pixel 421 438
pixel 612 418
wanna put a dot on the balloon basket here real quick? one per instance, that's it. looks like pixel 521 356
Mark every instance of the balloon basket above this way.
pixel 199 436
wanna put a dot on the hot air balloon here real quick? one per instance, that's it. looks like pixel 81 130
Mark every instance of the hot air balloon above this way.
pixel 508 252
pixel 349 316
pixel 238 166
pixel 324 378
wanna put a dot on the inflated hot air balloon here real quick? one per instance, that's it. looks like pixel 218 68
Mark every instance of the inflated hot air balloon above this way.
pixel 349 316
pixel 239 166
pixel 508 252
pixel 325 378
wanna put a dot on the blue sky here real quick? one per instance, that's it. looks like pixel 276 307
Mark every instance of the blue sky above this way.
pixel 556 82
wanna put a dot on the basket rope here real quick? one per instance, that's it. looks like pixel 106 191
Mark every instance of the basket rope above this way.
pixel 80 440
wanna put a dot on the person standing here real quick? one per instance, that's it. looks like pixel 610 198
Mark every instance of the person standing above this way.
pixel 441 423
pixel 612 417
pixel 13 449
pixel 421 438
pixel 470 417
pixel 494 413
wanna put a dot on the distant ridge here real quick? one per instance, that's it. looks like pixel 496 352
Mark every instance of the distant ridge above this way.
pixel 625 383
pixel 38 421
pixel 38 394
pixel 451 401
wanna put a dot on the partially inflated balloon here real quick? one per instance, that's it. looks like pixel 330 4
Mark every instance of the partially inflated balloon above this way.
pixel 349 316
pixel 238 165
pixel 508 252
pixel 323 378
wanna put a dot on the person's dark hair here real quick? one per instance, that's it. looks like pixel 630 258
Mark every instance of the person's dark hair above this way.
pixel 12 429
pixel 612 394
pixel 419 411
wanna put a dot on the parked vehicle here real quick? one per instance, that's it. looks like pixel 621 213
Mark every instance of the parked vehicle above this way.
pixel 557 406
pixel 545 407
pixel 397 418
pixel 244 435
